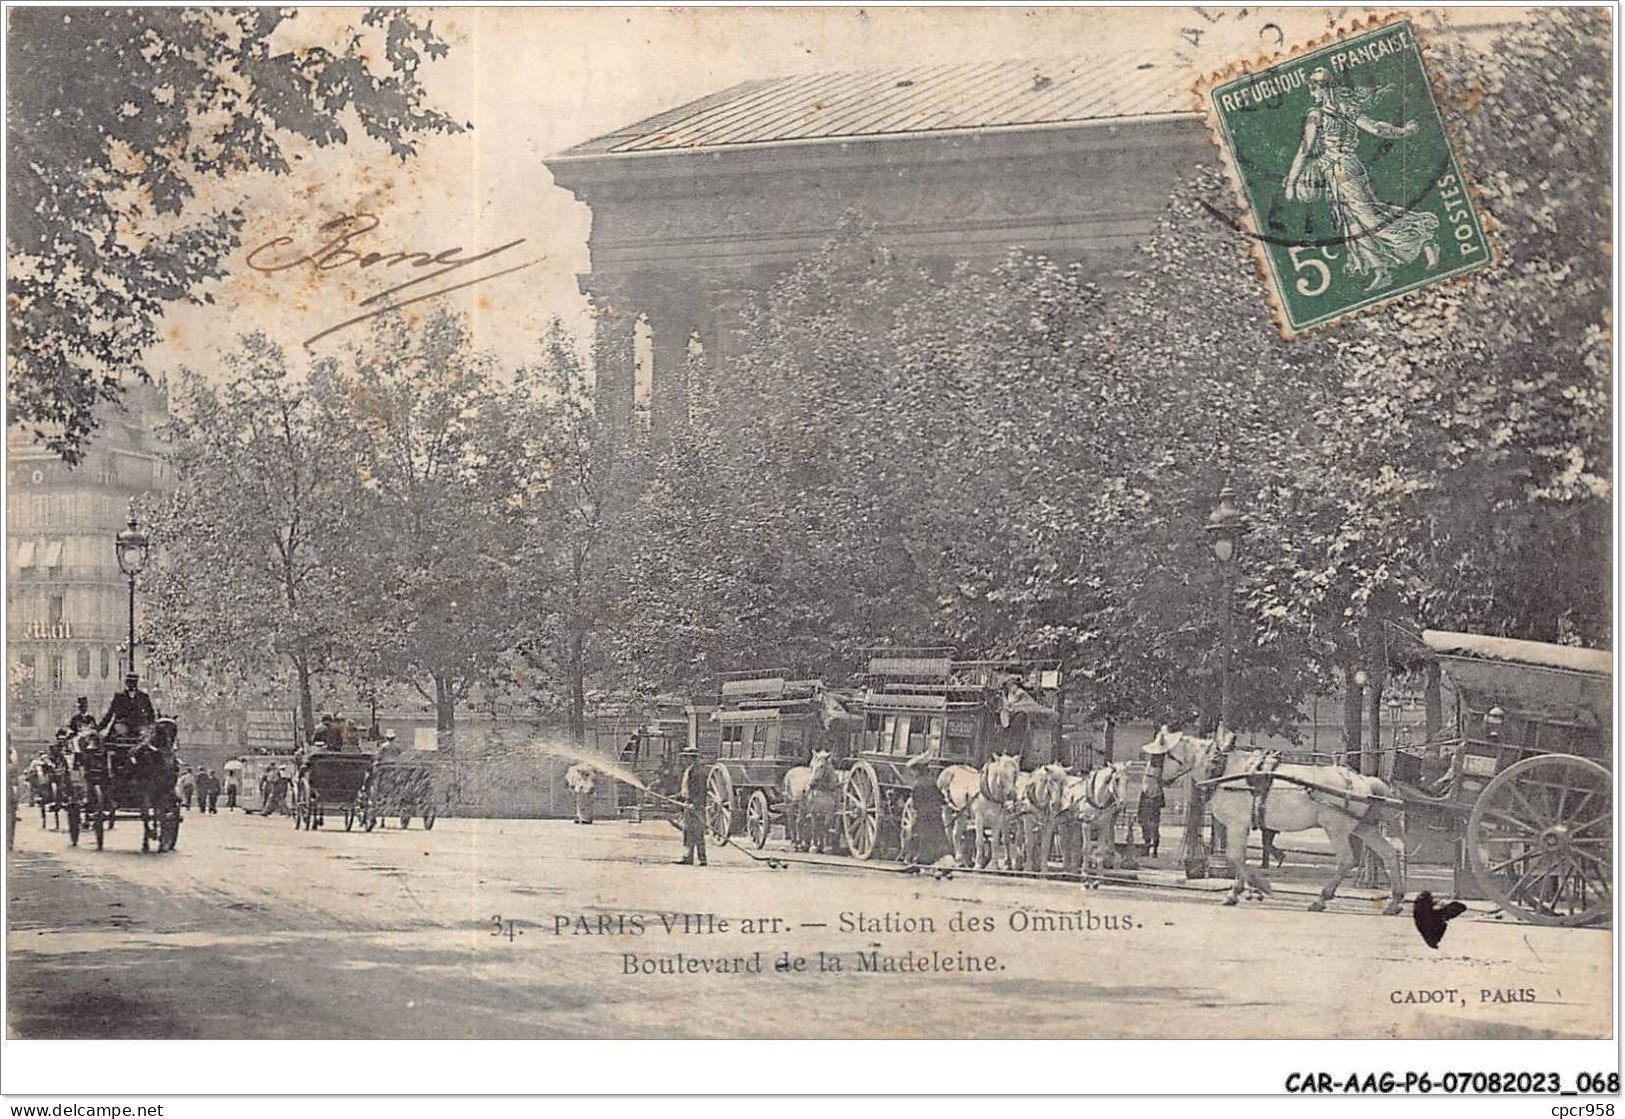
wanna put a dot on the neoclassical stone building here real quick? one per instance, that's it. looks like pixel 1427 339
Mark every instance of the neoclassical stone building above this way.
pixel 697 209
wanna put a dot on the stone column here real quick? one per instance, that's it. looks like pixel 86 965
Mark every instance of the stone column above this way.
pixel 613 356
pixel 672 324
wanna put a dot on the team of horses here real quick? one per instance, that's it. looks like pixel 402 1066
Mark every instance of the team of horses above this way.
pixel 1001 814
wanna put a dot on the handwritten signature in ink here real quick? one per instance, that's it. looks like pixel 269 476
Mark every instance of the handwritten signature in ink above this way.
pixel 335 251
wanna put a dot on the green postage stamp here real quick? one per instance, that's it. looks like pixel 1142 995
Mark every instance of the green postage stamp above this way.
pixel 1351 190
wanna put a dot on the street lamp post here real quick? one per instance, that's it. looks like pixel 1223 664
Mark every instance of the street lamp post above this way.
pixel 1225 528
pixel 131 545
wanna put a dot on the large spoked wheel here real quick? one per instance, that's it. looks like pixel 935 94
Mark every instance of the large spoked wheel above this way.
pixel 721 804
pixel 862 811
pixel 758 819
pixel 369 816
pixel 349 816
pixel 428 818
pixel 1540 842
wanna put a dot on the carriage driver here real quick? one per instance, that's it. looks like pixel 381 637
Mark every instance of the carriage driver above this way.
pixel 131 709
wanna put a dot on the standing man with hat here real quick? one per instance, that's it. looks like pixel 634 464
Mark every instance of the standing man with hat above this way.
pixel 692 794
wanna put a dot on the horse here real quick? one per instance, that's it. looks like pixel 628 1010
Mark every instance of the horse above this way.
pixel 144 772
pixel 1038 806
pixel 1334 798
pixel 984 797
pixel 43 787
pixel 810 798
pixel 1089 807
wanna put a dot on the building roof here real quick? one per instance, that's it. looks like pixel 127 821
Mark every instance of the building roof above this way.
pixel 910 100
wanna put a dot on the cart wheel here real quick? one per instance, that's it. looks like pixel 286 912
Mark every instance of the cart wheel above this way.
pixel 1539 840
pixel 349 816
pixel 758 819
pixel 73 825
pixel 405 821
pixel 369 818
pixel 428 819
pixel 862 811
pixel 721 805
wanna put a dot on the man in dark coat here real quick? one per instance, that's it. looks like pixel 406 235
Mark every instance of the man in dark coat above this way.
pixel 232 779
pixel 692 794
pixel 131 709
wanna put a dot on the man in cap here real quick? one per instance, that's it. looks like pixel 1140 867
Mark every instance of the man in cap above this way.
pixel 692 793
pixel 130 710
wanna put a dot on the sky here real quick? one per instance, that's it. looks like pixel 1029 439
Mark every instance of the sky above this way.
pixel 533 82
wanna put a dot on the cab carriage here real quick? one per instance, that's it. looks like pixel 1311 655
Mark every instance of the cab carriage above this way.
pixel 922 711
pixel 768 725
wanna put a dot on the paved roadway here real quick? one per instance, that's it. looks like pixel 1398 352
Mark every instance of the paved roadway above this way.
pixel 253 929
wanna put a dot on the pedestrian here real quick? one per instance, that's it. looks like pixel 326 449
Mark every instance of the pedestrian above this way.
pixel 581 780
pixel 213 792
pixel 265 792
pixel 692 794
pixel 231 790
pixel 1152 799
pixel 186 787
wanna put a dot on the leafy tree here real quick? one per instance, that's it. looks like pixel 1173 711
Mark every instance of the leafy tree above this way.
pixel 115 118
pixel 243 585
pixel 434 496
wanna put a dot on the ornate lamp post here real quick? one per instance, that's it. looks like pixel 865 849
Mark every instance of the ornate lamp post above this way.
pixel 132 546
pixel 1225 528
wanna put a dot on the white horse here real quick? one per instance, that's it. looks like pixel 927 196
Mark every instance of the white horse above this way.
pixel 1040 796
pixel 1334 798
pixel 983 798
pixel 810 801
pixel 1089 807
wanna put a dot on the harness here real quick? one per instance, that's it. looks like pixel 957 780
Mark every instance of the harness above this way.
pixel 1260 770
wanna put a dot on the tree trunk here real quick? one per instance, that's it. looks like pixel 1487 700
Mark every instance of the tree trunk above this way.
pixel 1110 738
pixel 1433 698
pixel 307 706
pixel 445 708
pixel 1371 760
pixel 577 670
pixel 1352 717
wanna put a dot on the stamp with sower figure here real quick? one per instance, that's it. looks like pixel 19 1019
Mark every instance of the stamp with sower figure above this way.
pixel 1349 187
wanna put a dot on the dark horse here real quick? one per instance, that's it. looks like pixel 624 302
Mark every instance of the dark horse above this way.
pixel 139 773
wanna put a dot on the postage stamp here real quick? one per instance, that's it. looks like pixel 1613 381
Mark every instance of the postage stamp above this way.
pixel 1349 185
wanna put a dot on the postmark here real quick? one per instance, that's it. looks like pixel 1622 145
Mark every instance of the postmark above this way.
pixel 1346 180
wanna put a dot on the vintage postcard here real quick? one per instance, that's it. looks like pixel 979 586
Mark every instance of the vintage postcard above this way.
pixel 752 523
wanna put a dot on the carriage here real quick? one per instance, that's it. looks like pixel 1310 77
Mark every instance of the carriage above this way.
pixel 330 780
pixel 769 725
pixel 118 778
pixel 647 739
pixel 400 788
pixel 1527 797
pixel 921 711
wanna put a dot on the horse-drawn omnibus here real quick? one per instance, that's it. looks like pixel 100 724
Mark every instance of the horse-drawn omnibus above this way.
pixel 647 738
pixel 1528 792
pixel 770 726
pixel 921 712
